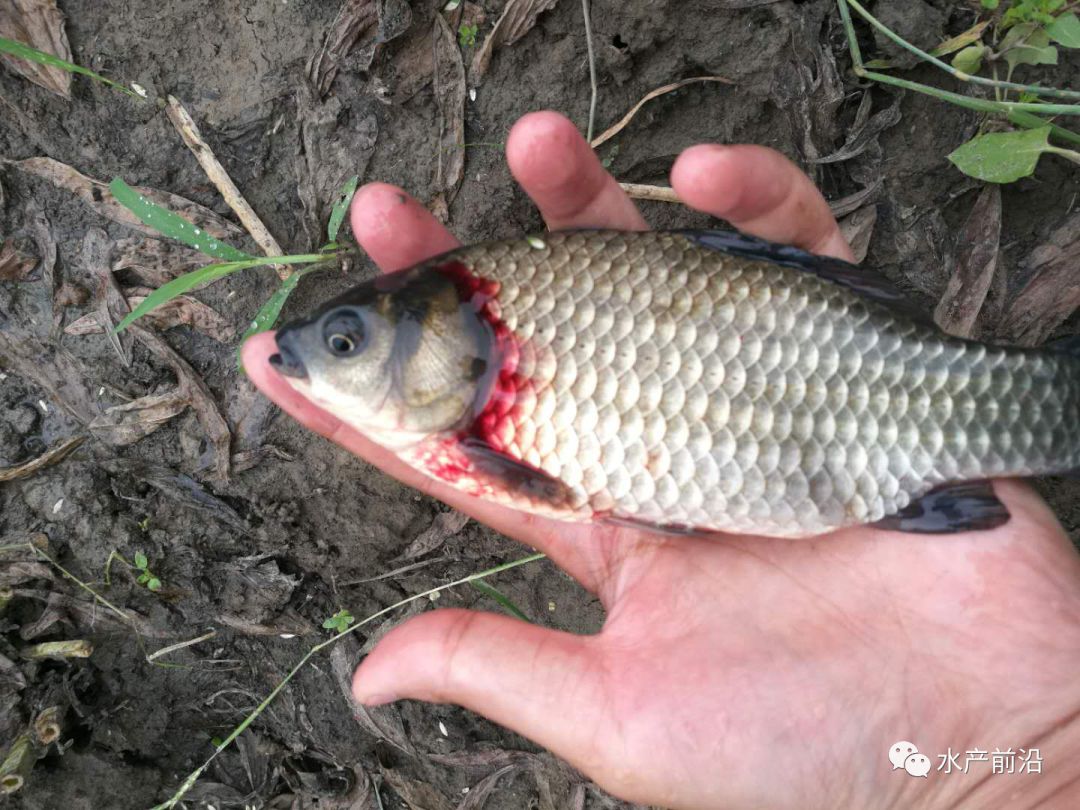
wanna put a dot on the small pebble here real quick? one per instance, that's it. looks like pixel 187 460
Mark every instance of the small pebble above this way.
pixel 44 407
pixel 58 506
pixel 442 729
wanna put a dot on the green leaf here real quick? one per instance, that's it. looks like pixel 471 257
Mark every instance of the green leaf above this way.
pixel 268 314
pixel 173 225
pixel 154 584
pixel 492 593
pixel 140 561
pixel 1065 30
pixel 969 59
pixel 1002 157
pixel 1028 45
pixel 337 215
pixel 990 4
pixel 21 50
pixel 212 272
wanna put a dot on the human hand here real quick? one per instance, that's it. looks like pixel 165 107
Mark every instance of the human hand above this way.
pixel 741 672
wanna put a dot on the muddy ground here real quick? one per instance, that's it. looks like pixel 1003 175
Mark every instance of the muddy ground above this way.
pixel 301 529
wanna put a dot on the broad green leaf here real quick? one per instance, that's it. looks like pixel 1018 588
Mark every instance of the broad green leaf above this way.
pixel 173 225
pixel 268 314
pixel 492 593
pixel 990 4
pixel 21 50
pixel 154 584
pixel 1002 157
pixel 1028 45
pixel 140 560
pixel 970 36
pixel 1065 30
pixel 969 60
pixel 337 215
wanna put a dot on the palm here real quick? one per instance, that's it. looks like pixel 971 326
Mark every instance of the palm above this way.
pixel 743 671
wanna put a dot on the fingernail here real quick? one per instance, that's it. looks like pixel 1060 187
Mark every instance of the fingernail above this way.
pixel 377 700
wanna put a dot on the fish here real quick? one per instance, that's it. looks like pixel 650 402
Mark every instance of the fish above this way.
pixel 689 382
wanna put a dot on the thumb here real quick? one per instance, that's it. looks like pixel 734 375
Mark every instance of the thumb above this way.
pixel 521 676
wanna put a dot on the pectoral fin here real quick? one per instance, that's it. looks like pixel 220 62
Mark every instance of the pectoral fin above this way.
pixel 966 507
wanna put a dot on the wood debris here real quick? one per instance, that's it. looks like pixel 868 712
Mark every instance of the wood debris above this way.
pixel 193 139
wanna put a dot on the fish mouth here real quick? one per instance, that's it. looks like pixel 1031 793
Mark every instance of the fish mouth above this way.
pixel 286 361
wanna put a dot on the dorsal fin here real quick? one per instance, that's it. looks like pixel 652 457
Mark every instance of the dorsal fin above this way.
pixel 868 283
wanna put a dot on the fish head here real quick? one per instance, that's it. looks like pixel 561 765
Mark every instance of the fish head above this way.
pixel 400 358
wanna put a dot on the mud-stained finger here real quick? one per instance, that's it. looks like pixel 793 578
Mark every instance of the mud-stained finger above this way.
pixel 564 177
pixel 761 192
pixel 394 229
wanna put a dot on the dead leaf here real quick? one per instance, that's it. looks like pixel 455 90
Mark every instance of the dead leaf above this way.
pixel 1052 292
pixel 97 195
pixel 372 22
pixel 177 486
pixel 976 262
pixel 183 310
pixel 71 295
pixel 478 794
pixel 381 722
pixel 14 266
pixel 857 228
pixel 41 24
pixel 55 454
pixel 154 262
pixel 51 368
pixel 445 524
pixel 110 305
pixel 198 396
pixel 413 63
pixel 862 135
pixel 335 148
pixel 417 795
pixel 845 205
pixel 46 246
pixel 611 132
pixel 126 424
pixel 517 19
pixel 449 77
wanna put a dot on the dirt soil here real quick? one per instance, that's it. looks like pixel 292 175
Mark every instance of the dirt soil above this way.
pixel 301 528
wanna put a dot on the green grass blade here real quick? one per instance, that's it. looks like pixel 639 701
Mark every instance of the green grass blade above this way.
pixel 212 272
pixel 21 50
pixel 268 314
pixel 337 215
pixel 493 593
pixel 173 225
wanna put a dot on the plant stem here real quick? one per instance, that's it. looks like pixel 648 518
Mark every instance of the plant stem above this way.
pixel 193 777
pixel 592 69
pixel 959 74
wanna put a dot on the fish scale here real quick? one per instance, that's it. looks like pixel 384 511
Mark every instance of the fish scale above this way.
pixel 679 385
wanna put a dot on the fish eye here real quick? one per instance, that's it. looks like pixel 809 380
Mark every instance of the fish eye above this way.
pixel 344 333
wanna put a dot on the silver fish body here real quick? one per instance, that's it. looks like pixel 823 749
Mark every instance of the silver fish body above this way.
pixel 668 380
